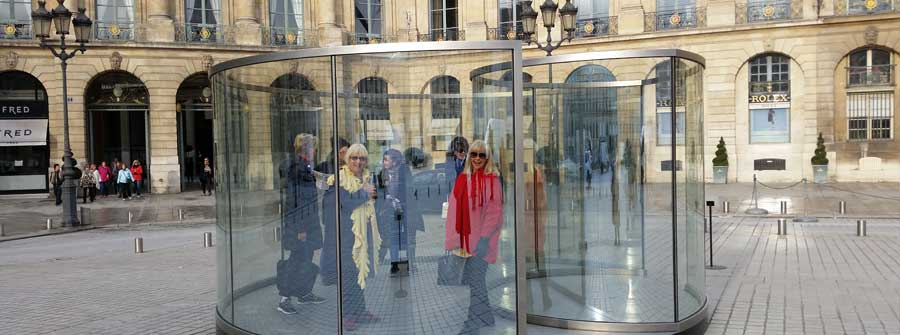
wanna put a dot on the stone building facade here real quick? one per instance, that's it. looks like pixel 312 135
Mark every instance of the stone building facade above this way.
pixel 779 72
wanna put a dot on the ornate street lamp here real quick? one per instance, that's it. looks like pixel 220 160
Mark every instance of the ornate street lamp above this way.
pixel 548 13
pixel 60 17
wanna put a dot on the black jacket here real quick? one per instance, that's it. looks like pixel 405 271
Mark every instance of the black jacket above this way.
pixel 300 204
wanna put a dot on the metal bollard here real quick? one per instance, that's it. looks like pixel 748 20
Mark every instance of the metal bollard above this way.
pixel 242 210
pixel 130 217
pixel 860 227
pixel 207 240
pixel 2 230
pixel 842 207
pixel 49 224
pixel 782 227
pixel 180 214
pixel 138 245
pixel 726 207
pixel 83 216
pixel 784 207
pixel 277 234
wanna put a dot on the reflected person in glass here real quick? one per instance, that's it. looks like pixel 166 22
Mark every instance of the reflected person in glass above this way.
pixel 394 211
pixel 329 254
pixel 456 158
pixel 474 220
pixel 360 239
pixel 302 233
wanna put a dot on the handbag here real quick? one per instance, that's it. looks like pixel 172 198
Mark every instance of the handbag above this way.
pixel 450 270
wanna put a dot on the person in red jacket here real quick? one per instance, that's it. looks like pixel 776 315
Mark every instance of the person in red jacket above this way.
pixel 474 220
pixel 137 171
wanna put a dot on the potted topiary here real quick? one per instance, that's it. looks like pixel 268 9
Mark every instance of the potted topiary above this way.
pixel 820 162
pixel 720 163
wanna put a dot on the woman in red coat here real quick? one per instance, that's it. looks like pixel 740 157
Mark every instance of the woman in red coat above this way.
pixel 138 172
pixel 474 220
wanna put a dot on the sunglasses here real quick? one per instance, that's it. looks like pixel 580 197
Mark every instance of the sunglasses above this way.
pixel 481 155
pixel 359 158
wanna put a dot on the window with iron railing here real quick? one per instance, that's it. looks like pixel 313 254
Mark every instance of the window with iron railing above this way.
pixel 675 14
pixel 870 67
pixel 444 20
pixel 286 25
pixel 369 21
pixel 115 20
pixel 593 19
pixel 855 7
pixel 510 25
pixel 870 115
pixel 768 10
pixel 770 73
pixel 15 19
pixel 201 22
pixel 664 104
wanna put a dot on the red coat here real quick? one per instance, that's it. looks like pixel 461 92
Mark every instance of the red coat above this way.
pixel 137 172
pixel 475 211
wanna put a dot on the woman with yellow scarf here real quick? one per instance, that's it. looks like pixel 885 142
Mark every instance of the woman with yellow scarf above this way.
pixel 359 231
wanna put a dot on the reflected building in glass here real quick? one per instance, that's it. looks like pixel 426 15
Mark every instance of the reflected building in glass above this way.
pixel 455 188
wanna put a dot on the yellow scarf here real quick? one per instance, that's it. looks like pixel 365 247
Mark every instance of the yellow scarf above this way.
pixel 359 217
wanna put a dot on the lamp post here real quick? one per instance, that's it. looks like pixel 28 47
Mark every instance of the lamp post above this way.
pixel 548 12
pixel 60 17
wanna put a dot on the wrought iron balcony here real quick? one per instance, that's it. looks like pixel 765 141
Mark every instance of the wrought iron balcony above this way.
pixel 598 26
pixel 446 35
pixel 200 33
pixel 369 38
pixel 114 31
pixel 769 87
pixel 878 75
pixel 289 37
pixel 681 18
pixel 506 32
pixel 15 30
pixel 768 11
pixel 863 7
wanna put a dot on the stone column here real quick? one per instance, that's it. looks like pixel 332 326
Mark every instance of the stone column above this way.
pixel 330 32
pixel 247 28
pixel 160 27
pixel 631 17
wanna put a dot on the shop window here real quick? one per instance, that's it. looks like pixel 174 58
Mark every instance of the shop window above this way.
pixel 664 106
pixel 870 115
pixel 444 20
pixel 115 20
pixel 770 74
pixel 286 23
pixel 368 20
pixel 770 125
pixel 592 18
pixel 202 20
pixel 15 19
pixel 870 67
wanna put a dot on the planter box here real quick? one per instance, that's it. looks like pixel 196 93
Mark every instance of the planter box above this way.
pixel 720 174
pixel 820 174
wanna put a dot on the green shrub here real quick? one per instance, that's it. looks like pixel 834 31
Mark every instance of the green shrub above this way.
pixel 721 158
pixel 819 157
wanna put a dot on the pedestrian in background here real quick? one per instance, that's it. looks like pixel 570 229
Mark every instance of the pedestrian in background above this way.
pixel 88 184
pixel 206 177
pixel 104 173
pixel 56 181
pixel 124 179
pixel 137 173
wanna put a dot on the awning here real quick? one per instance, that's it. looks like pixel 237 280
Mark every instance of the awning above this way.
pixel 441 127
pixel 377 130
pixel 15 133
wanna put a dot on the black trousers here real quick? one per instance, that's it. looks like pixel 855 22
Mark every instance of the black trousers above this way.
pixel 354 301
pixel 474 275
pixel 299 263
pixel 57 192
pixel 205 186
pixel 89 192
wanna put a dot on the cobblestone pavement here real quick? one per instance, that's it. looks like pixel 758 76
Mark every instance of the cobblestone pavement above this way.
pixel 819 279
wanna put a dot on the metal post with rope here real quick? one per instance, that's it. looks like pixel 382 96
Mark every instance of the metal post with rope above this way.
pixel 755 210
pixel 806 217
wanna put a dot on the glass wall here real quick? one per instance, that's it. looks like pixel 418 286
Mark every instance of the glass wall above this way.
pixel 386 191
pixel 346 205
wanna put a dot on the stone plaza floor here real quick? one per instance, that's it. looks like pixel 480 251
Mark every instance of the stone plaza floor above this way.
pixel 819 279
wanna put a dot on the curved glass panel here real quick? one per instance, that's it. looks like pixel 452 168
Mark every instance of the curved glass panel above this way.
pixel 346 204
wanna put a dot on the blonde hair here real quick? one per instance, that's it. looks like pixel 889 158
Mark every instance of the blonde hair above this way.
pixel 489 167
pixel 356 150
pixel 304 143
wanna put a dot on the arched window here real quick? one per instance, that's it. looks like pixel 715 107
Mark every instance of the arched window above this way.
pixel 286 22
pixel 769 99
pixel 870 109
pixel 373 99
pixel 445 101
pixel 295 109
pixel 17 15
pixel 368 20
pixel 590 119
pixel 115 19
pixel 202 20
pixel 444 20
pixel 592 18
pixel 676 14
